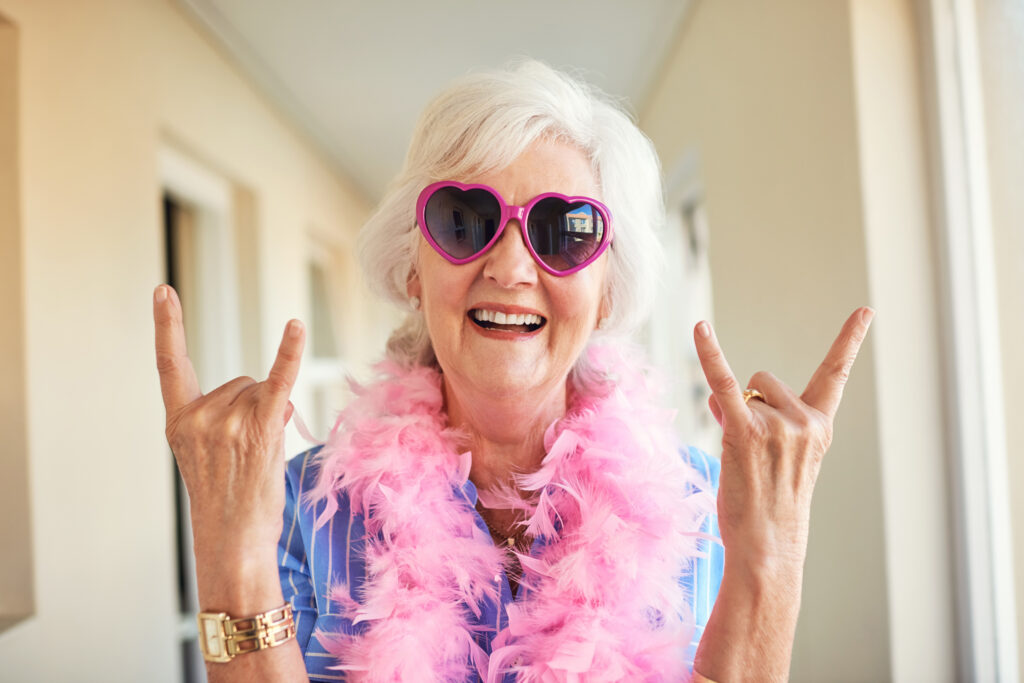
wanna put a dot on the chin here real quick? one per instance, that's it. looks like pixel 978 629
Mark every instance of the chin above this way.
pixel 511 381
pixel 511 377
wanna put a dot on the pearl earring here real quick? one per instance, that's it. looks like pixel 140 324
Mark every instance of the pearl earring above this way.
pixel 415 303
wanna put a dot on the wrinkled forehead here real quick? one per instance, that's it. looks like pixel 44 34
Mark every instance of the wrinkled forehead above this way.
pixel 473 157
pixel 545 166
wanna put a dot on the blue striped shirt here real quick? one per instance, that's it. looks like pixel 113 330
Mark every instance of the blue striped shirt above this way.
pixel 312 560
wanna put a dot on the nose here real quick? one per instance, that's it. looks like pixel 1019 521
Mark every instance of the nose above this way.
pixel 508 262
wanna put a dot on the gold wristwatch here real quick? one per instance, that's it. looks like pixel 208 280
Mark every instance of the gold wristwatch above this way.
pixel 221 637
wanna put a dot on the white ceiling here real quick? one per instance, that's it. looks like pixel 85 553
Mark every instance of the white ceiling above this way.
pixel 354 75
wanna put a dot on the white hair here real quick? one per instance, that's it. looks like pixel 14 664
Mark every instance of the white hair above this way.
pixel 482 123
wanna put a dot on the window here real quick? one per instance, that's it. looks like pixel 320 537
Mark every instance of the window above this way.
pixel 978 431
pixel 683 300
pixel 323 373
pixel 16 571
pixel 460 228
pixel 203 246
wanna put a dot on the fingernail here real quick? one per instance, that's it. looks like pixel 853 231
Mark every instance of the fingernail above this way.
pixel 704 330
pixel 868 315
pixel 160 294
pixel 294 328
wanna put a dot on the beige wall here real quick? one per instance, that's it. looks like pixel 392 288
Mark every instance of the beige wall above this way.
pixel 805 119
pixel 1001 38
pixel 102 85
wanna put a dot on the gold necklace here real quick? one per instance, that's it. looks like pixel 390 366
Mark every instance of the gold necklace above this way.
pixel 510 542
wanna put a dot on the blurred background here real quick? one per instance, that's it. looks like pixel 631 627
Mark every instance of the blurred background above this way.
pixel 818 155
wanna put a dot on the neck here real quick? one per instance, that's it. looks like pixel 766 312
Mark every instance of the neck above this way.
pixel 506 434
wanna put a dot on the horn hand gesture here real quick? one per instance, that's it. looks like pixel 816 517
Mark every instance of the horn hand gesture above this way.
pixel 228 443
pixel 773 442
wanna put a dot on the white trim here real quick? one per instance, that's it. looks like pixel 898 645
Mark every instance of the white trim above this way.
pixel 210 196
pixel 193 182
pixel 987 619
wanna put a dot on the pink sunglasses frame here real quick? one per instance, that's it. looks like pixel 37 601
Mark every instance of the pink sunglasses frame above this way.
pixel 508 212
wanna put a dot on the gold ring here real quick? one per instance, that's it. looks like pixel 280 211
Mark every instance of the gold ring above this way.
pixel 752 393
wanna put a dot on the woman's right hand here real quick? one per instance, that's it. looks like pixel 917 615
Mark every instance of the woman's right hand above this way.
pixel 228 443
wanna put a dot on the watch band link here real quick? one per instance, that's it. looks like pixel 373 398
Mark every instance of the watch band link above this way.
pixel 221 638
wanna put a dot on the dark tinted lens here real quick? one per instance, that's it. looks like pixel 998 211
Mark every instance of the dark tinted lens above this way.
pixel 564 235
pixel 462 222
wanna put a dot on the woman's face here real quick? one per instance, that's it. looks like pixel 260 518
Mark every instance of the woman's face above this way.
pixel 510 360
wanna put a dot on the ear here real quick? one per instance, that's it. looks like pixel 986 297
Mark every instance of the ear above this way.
pixel 604 309
pixel 412 284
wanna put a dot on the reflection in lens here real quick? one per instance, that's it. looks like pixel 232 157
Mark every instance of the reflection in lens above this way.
pixel 462 222
pixel 564 235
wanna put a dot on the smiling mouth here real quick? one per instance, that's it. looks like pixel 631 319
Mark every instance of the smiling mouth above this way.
pixel 521 323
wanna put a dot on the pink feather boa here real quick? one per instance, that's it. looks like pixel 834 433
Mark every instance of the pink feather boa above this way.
pixel 613 502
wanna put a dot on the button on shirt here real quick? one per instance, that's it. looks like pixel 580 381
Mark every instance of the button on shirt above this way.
pixel 311 560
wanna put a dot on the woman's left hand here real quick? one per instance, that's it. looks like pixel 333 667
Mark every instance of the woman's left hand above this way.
pixel 771 454
pixel 772 448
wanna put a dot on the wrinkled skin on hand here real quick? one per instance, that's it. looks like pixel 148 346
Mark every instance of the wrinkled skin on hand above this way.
pixel 228 443
pixel 772 449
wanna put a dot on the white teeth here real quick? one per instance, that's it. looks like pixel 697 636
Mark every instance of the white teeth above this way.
pixel 506 318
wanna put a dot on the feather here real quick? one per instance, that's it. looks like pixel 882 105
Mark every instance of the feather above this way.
pixel 612 504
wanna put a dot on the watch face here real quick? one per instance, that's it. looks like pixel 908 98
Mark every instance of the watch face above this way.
pixel 211 636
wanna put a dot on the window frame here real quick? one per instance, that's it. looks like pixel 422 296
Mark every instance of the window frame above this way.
pixel 975 408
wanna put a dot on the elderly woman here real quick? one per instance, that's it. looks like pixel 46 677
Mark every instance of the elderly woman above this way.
pixel 506 501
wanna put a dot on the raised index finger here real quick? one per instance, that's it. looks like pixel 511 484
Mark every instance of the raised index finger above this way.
pixel 283 374
pixel 825 389
pixel 178 382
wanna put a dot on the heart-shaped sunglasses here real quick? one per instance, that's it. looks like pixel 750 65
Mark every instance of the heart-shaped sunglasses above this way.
pixel 563 234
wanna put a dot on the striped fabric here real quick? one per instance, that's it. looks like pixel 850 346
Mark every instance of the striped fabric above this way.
pixel 311 560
